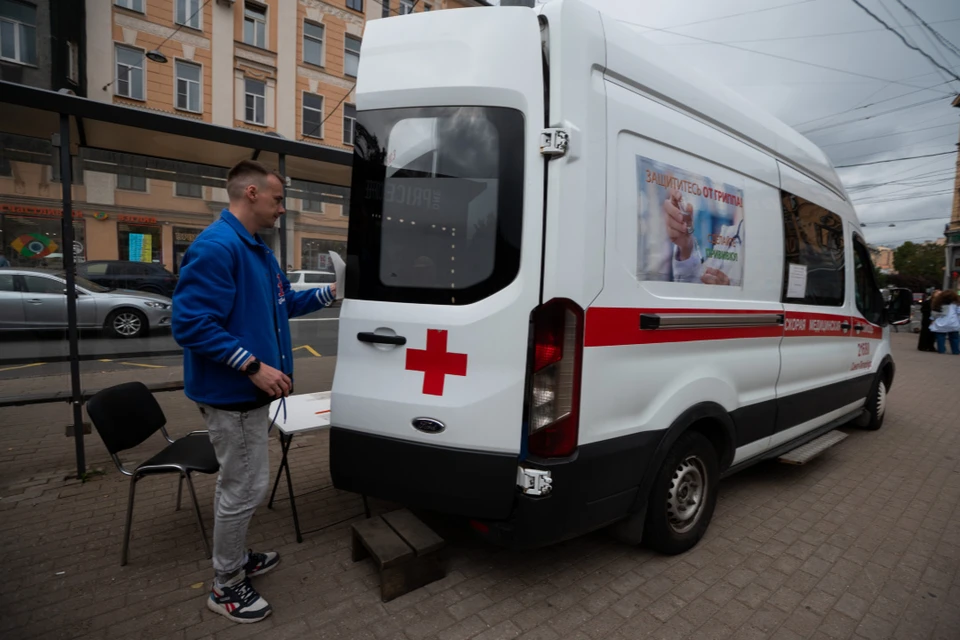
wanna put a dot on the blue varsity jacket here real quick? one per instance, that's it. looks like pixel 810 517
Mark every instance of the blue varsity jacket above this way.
pixel 233 301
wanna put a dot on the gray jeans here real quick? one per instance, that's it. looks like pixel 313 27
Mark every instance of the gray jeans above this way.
pixel 240 440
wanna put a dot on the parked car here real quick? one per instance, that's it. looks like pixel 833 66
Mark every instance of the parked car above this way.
pixel 303 279
pixel 34 299
pixel 125 274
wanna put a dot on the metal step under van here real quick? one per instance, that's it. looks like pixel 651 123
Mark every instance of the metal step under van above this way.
pixel 809 451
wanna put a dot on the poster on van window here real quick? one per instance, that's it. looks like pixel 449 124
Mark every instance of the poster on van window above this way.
pixel 690 228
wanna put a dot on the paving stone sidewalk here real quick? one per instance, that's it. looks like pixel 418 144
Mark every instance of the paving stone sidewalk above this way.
pixel 864 542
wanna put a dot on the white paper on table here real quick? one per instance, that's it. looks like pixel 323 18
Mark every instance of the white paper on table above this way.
pixel 340 268
pixel 797 281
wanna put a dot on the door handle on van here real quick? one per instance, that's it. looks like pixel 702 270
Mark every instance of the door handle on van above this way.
pixel 858 328
pixel 845 326
pixel 375 338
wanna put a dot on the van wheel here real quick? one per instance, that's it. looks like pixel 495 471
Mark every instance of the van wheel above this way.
pixel 683 496
pixel 876 408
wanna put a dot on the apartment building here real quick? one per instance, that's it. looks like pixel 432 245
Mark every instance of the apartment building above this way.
pixel 280 67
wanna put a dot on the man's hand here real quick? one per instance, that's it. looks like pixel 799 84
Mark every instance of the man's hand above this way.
pixel 677 213
pixel 714 276
pixel 271 381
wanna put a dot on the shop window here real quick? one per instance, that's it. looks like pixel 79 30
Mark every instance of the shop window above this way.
pixel 18 32
pixel 314 253
pixel 183 237
pixel 313 43
pixel 29 241
pixel 351 56
pixel 813 238
pixel 188 190
pixel 140 243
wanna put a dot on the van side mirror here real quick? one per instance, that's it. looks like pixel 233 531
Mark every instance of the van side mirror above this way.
pixel 899 306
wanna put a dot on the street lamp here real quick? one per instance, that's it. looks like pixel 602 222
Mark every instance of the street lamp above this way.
pixel 157 56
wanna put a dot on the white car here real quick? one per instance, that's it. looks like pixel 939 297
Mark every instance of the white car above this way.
pixel 302 280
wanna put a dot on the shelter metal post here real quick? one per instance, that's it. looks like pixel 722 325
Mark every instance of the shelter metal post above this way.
pixel 283 218
pixel 69 265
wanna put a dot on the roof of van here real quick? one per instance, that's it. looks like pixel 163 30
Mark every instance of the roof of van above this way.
pixel 634 59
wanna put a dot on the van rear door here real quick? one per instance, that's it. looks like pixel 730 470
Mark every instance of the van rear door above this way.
pixel 445 232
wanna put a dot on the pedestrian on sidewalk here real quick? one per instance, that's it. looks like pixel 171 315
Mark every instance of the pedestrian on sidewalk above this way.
pixel 231 309
pixel 926 341
pixel 946 321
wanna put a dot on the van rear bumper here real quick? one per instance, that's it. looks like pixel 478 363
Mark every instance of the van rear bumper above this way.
pixel 594 487
pixel 474 484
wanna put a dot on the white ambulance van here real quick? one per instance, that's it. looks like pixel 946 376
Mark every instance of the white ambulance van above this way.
pixel 584 283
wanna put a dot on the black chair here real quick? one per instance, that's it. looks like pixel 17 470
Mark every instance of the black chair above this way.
pixel 125 416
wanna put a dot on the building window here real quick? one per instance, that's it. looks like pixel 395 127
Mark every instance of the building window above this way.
pixel 406 7
pixel 385 8
pixel 133 5
pixel 813 248
pixel 255 105
pixel 313 43
pixel 130 73
pixel 187 190
pixel 73 62
pixel 356 5
pixel 349 123
pixel 427 6
pixel 255 25
pixel 188 86
pixel 18 32
pixel 188 13
pixel 312 115
pixel 131 183
pixel 316 206
pixel 351 56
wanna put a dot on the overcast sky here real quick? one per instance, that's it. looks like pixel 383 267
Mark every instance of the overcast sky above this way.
pixel 810 98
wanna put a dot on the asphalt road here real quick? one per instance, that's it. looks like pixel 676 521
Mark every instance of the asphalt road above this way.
pixel 25 354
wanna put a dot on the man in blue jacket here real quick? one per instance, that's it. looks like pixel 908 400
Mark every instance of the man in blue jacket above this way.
pixel 231 310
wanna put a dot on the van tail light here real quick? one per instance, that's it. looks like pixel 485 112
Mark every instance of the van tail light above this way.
pixel 553 408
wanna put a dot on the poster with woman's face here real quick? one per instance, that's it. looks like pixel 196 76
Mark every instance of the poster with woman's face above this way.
pixel 691 228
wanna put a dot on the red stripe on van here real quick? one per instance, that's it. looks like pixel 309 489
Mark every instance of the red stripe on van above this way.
pixel 609 327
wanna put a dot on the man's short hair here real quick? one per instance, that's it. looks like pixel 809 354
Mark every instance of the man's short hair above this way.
pixel 246 172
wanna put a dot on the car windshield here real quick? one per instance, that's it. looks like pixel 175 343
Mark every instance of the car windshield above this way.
pixel 86 284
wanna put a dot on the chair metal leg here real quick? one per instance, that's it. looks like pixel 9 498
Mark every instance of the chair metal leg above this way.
pixel 179 492
pixel 126 529
pixel 196 509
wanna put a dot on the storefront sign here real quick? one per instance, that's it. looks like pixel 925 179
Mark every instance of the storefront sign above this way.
pixel 137 219
pixel 38 212
pixel 181 236
pixel 101 215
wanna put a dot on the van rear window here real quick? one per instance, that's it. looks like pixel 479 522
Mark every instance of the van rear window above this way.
pixel 436 204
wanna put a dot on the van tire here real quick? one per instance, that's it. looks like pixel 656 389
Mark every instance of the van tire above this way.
pixel 876 408
pixel 683 495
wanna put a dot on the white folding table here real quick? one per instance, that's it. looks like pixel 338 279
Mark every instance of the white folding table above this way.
pixel 304 412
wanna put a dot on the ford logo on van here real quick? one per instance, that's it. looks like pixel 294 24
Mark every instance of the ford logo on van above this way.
pixel 428 425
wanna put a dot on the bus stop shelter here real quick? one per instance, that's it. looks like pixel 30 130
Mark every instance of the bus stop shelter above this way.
pixel 72 137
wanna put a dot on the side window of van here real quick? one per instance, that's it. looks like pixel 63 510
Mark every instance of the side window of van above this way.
pixel 813 239
pixel 865 288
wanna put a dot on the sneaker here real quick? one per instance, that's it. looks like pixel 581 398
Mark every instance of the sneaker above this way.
pixel 259 563
pixel 239 601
